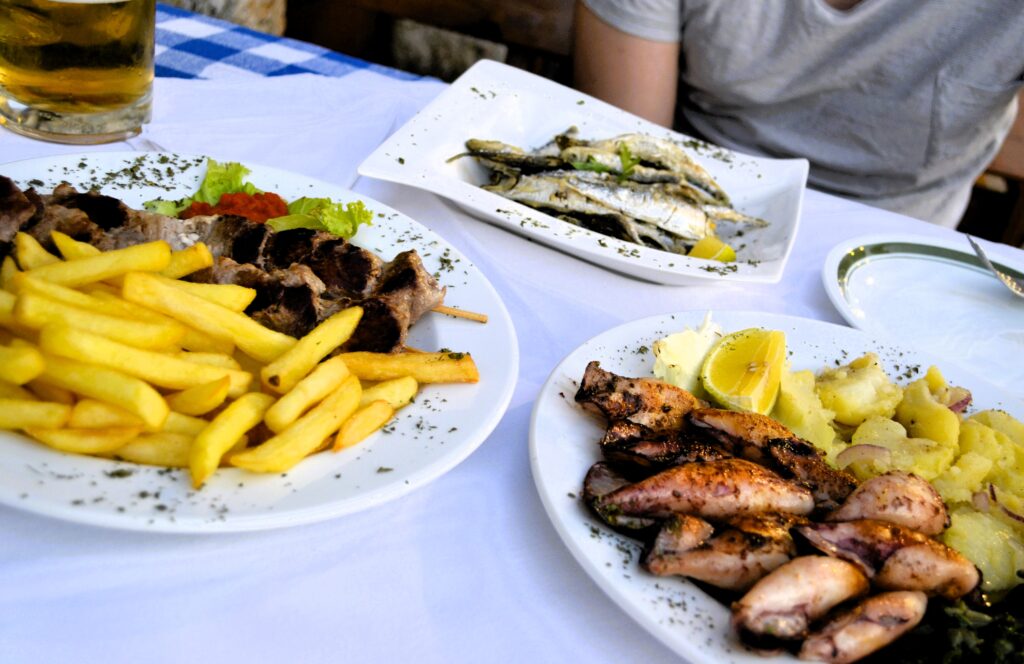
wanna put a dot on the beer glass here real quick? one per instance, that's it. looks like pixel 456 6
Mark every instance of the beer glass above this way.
pixel 76 71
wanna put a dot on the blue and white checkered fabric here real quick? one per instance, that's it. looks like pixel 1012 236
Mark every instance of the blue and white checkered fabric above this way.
pixel 190 45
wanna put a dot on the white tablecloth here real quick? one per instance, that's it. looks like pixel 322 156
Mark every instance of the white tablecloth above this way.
pixel 467 569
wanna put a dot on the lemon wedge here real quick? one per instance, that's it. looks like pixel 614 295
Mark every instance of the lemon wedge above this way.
pixel 743 370
pixel 712 248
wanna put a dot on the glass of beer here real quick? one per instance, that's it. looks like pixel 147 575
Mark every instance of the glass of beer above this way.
pixel 76 71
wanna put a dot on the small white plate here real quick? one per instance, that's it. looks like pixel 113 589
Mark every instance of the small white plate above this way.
pixel 934 295
pixel 425 440
pixel 495 101
pixel 563 446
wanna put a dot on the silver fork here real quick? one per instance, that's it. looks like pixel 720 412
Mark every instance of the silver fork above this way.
pixel 1016 286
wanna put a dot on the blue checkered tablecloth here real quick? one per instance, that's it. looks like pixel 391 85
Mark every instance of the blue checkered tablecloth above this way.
pixel 190 45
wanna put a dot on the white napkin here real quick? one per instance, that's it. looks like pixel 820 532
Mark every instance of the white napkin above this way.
pixel 315 125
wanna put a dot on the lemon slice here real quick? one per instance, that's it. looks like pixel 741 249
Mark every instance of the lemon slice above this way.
pixel 743 370
pixel 712 248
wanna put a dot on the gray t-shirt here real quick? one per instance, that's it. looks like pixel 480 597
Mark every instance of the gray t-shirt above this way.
pixel 896 103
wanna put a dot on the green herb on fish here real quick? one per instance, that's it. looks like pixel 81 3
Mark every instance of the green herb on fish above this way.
pixel 590 165
pixel 628 161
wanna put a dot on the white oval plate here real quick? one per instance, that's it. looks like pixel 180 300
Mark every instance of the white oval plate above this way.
pixel 495 101
pixel 563 446
pixel 934 294
pixel 425 440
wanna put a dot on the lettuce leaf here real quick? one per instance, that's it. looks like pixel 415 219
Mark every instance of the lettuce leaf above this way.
pixel 221 178
pixel 323 214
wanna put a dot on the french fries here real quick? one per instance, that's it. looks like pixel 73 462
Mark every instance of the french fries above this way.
pixel 156 368
pixel 187 261
pixel 229 296
pixel 71 248
pixel 170 450
pixel 397 392
pixel 151 256
pixel 223 432
pixel 104 384
pixel 30 253
pixel 312 389
pixel 19 414
pixel 52 393
pixel 179 423
pixel 92 414
pixel 11 391
pixel 8 268
pixel 287 448
pixel 363 422
pixel 253 339
pixel 424 367
pixel 19 365
pixel 200 399
pixel 85 441
pixel 108 354
pixel 214 359
pixel 286 371
pixel 35 311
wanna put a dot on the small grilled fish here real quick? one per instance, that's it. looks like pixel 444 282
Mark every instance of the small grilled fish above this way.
pixel 658 152
pixel 510 155
pixel 651 203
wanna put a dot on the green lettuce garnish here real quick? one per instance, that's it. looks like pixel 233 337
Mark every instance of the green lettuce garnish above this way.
pixel 323 214
pixel 220 179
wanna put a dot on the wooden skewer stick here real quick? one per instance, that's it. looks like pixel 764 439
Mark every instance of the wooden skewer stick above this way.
pixel 461 313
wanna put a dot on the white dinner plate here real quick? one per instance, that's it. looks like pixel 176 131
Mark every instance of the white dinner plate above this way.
pixel 934 295
pixel 495 101
pixel 426 439
pixel 563 446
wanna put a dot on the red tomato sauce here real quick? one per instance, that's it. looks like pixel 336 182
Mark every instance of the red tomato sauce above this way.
pixel 254 207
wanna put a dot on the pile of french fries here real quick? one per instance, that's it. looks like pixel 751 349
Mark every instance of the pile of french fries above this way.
pixel 111 354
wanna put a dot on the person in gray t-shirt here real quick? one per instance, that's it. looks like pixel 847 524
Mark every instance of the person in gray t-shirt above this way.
pixel 896 103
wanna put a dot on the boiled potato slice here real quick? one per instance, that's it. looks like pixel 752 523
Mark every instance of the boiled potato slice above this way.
pixel 923 415
pixel 858 390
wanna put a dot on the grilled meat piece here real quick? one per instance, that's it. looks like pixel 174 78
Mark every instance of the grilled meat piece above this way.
pixel 405 292
pixel 897 497
pixel 783 604
pixel 874 623
pixel 301 276
pixel 710 489
pixel 106 212
pixel 734 558
pixel 763 440
pixel 896 558
pixel 16 209
pixel 653 404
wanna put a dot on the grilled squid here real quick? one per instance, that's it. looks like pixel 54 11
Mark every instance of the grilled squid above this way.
pixel 896 558
pixel 874 623
pixel 897 497
pixel 782 605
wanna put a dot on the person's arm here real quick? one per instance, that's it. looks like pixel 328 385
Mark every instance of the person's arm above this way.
pixel 638 75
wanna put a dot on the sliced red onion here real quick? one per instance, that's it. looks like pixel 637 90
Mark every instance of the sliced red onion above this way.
pixel 1006 510
pixel 863 452
pixel 958 399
